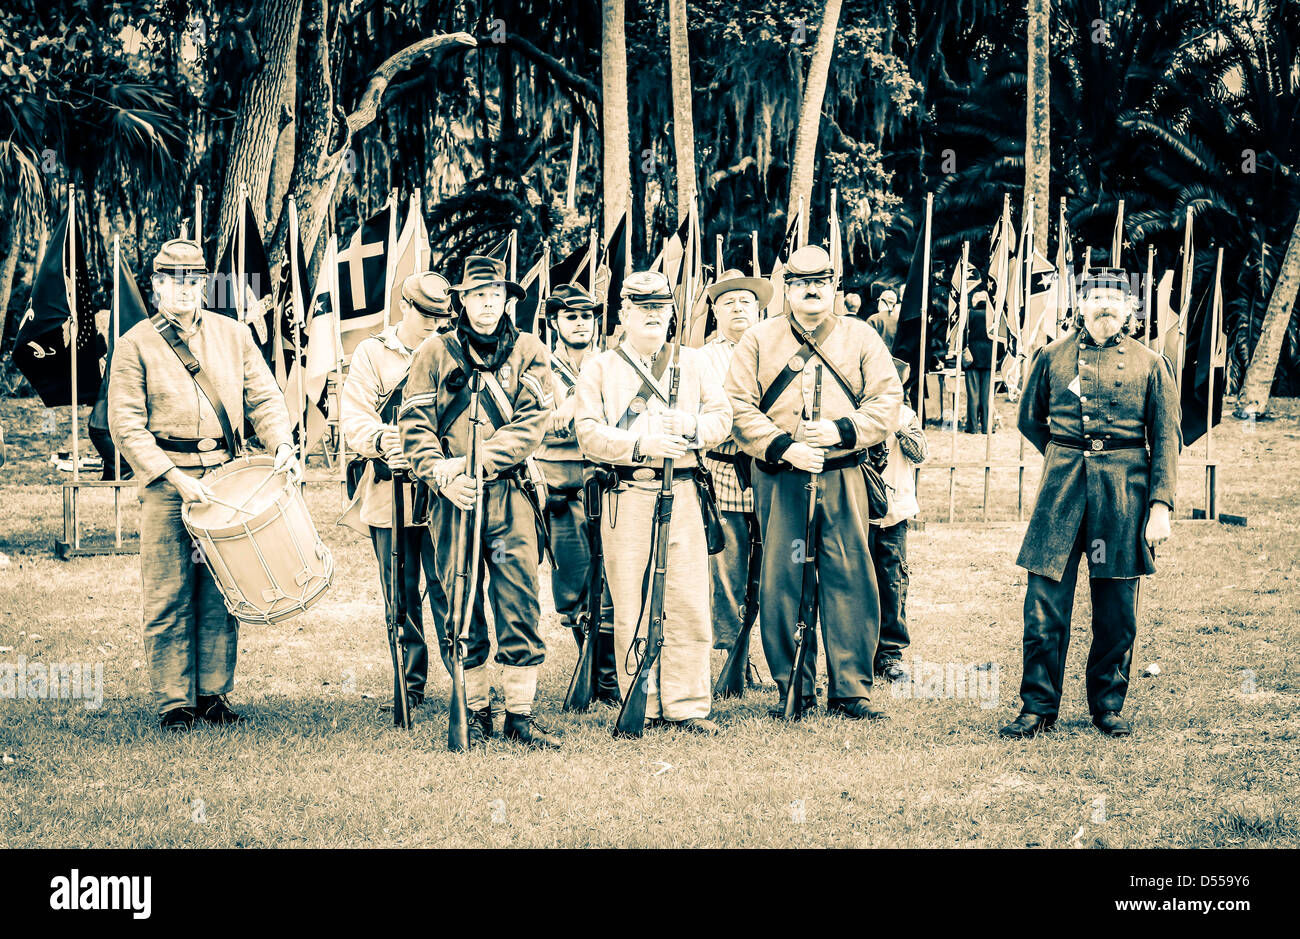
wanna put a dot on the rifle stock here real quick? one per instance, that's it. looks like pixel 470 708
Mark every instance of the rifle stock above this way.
pixel 397 607
pixel 732 679
pixel 466 560
pixel 583 683
pixel 792 704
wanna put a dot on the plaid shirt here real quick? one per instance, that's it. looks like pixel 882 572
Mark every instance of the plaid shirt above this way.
pixel 731 497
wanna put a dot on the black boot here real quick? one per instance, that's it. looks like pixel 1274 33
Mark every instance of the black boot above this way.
pixel 480 726
pixel 181 718
pixel 606 670
pixel 525 729
pixel 213 709
pixel 1028 724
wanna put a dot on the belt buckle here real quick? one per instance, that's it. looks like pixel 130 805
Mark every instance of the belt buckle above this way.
pixel 1095 445
pixel 643 473
pixel 206 444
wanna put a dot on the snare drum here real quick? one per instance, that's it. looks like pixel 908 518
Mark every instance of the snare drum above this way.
pixel 261 545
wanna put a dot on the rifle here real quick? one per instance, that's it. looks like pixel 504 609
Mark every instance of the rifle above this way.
pixel 397 606
pixel 468 545
pixel 731 680
pixel 583 682
pixel 631 717
pixel 792 706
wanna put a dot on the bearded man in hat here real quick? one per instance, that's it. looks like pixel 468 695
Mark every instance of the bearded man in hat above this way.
pixel 737 301
pixel 571 311
pixel 434 425
pixel 371 397
pixel 1103 409
pixel 175 425
pixel 771 384
pixel 622 418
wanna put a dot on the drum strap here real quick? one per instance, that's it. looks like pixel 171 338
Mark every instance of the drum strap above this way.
pixel 234 442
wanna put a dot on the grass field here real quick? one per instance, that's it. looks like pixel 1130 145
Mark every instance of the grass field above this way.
pixel 1213 762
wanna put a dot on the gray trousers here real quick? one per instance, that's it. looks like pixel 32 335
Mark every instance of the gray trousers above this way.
pixel 190 640
pixel 729 571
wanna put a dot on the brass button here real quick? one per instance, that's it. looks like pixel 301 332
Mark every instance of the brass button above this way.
pixel 1085 417
pixel 1083 398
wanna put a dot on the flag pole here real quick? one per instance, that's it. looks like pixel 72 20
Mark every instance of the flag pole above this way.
pixel 717 257
pixel 1117 242
pixel 390 262
pixel 1146 297
pixel 333 274
pixel 925 302
pixel 514 273
pixel 1061 293
pixel 570 191
pixel 1211 510
pixel 419 242
pixel 1004 250
pixel 299 320
pixel 753 253
pixel 198 216
pixel 70 260
pixel 1021 353
pixel 1185 301
pixel 113 332
pixel 963 314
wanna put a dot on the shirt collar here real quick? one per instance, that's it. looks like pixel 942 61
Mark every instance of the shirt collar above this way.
pixel 176 323
pixel 1112 341
pixel 388 336
pixel 644 360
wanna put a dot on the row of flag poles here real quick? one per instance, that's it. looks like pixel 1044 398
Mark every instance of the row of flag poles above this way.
pixel 307 332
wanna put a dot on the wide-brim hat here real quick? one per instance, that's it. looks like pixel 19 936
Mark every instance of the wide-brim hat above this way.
pixel 569 297
pixel 429 293
pixel 178 257
pixel 735 280
pixel 485 272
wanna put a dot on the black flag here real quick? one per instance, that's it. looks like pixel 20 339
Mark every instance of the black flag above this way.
pixel 1198 361
pixel 574 269
pixel 240 287
pixel 907 339
pixel 609 274
pixel 131 310
pixel 363 279
pixel 42 346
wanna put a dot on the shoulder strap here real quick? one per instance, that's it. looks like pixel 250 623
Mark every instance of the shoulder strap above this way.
pixel 391 402
pixel 234 442
pixel 563 371
pixel 649 386
pixel 811 342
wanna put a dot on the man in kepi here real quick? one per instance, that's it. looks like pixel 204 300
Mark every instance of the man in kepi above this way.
pixel 772 385
pixel 1103 409
pixel 434 425
pixel 171 425
pixel 572 312
pixel 737 300
pixel 622 418
pixel 371 397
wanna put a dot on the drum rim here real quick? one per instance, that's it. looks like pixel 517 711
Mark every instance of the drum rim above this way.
pixel 252 522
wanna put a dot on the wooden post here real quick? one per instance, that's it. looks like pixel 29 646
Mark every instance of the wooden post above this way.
pixel 1027 279
pixel 925 310
pixel 1211 510
pixel 963 308
pixel 114 328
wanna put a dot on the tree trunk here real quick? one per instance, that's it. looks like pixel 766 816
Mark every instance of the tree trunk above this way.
pixel 616 155
pixel 810 116
pixel 257 119
pixel 683 120
pixel 1253 399
pixel 1038 146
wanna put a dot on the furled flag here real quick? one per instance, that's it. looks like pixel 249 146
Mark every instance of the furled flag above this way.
pixel 1041 317
pixel 293 304
pixel 324 348
pixel 501 250
pixel 789 245
pixel 129 309
pixel 1117 238
pixel 411 256
pixel 1203 365
pixel 1065 294
pixel 1174 338
pixel 241 286
pixel 44 338
pixel 959 313
pixel 1002 246
pixel 907 340
pixel 609 274
pixel 362 279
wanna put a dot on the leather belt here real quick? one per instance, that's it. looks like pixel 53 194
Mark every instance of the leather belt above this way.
pixel 190 444
pixel 844 461
pixel 642 474
pixel 1100 443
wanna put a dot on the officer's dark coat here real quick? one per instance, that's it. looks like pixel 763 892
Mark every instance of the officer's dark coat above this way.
pixel 1126 391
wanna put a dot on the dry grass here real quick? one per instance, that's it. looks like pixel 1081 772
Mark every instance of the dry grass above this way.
pixel 1213 761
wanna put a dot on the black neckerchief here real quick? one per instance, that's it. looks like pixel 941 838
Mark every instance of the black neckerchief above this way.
pixel 491 350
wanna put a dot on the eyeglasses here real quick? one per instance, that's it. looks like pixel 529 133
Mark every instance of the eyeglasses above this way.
pixel 809 282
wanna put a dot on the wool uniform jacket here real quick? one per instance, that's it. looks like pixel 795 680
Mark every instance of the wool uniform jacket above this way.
pixel 1081 391
pixel 608 423
pixel 437 391
pixel 150 394
pixel 856 350
pixel 560 454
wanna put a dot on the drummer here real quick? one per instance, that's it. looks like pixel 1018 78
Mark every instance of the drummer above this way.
pixel 172 425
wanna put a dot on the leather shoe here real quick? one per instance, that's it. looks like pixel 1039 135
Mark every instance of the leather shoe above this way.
pixel 1028 724
pixel 778 713
pixel 480 727
pixel 525 729
pixel 698 725
pixel 414 701
pixel 856 709
pixel 1111 724
pixel 177 719
pixel 213 709
pixel 893 671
